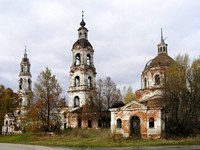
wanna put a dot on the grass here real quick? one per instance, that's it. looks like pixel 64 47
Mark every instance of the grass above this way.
pixel 92 138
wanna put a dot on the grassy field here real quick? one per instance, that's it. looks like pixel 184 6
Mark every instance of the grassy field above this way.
pixel 91 138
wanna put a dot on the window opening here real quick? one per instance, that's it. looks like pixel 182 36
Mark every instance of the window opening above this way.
pixel 119 123
pixel 88 59
pixel 76 101
pixel 77 81
pixel 77 59
pixel 151 122
pixel 90 81
pixel 157 79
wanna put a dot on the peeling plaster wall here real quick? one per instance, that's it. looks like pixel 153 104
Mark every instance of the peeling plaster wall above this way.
pixel 144 115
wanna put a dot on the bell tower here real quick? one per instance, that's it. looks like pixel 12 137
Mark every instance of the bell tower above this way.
pixel 82 71
pixel 25 83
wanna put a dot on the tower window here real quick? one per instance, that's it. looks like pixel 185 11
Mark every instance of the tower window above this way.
pixel 80 34
pixel 89 81
pixel 119 123
pixel 20 83
pixel 88 59
pixel 77 59
pixel 28 69
pixel 157 79
pixel 76 101
pixel 21 68
pixel 85 34
pixel 163 49
pixel 151 122
pixel 77 81
pixel 29 84
pixel 145 82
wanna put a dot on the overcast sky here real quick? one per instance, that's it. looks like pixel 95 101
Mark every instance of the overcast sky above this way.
pixel 124 35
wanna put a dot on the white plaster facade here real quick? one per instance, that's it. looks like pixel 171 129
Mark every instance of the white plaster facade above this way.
pixel 12 121
pixel 82 71
pixel 147 111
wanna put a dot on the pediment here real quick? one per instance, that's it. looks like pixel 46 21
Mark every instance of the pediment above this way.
pixel 133 105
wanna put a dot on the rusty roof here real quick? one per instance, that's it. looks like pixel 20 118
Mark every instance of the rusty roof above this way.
pixel 160 60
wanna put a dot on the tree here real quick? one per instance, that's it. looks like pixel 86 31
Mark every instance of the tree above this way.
pixel 110 92
pixel 44 109
pixel 8 102
pixel 129 95
pixel 182 97
pixel 107 95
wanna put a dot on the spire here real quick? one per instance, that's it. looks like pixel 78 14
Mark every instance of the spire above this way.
pixel 82 31
pixel 162 40
pixel 162 46
pixel 25 54
pixel 82 22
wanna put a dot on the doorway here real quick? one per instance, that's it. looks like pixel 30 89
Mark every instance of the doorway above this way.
pixel 135 129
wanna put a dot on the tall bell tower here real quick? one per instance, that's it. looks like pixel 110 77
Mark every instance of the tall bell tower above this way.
pixel 82 71
pixel 25 82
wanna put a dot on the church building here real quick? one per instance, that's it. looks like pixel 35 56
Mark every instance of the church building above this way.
pixel 145 118
pixel 12 121
pixel 82 89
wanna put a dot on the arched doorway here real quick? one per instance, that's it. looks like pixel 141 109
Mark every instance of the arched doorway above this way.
pixel 135 129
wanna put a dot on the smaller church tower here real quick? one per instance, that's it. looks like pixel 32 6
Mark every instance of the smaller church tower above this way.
pixel 25 83
pixel 162 46
pixel 82 71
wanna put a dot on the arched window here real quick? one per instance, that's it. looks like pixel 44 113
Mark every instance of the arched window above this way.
pixel 79 122
pixel 76 101
pixel 157 79
pixel 20 83
pixel 90 81
pixel 89 123
pixel 163 49
pixel 160 49
pixel 22 69
pixel 145 82
pixel 151 122
pixel 29 84
pixel 119 123
pixel 85 34
pixel 65 125
pixel 88 59
pixel 77 59
pixel 28 69
pixel 77 81
pixel 80 34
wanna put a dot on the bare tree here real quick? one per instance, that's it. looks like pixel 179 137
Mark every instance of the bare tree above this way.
pixel 107 95
pixel 110 92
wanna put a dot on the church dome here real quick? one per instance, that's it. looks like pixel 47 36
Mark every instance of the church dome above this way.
pixel 83 43
pixel 161 59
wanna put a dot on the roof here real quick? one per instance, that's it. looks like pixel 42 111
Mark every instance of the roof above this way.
pixel 161 59
pixel 82 42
